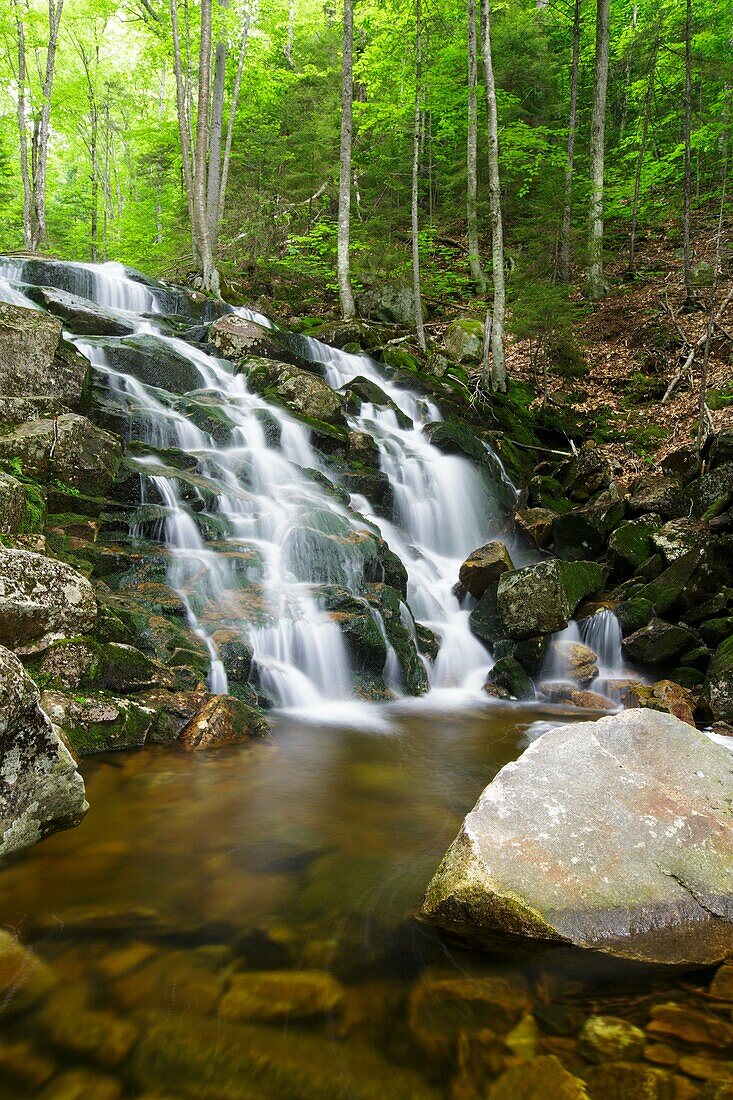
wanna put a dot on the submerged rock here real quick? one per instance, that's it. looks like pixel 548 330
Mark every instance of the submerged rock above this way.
pixel 82 317
pixel 41 601
pixel 541 1079
pixel 41 791
pixel 615 835
pixel 260 996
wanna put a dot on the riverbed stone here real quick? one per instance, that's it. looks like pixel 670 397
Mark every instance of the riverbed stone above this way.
pixel 441 1008
pixel 507 673
pixel 610 1039
pixel 484 566
pixel 82 1084
pixel 540 599
pixel 24 978
pixel 629 1081
pixel 718 686
pixel 222 721
pixel 617 823
pixel 41 791
pixel 539 1079
pixel 664 695
pixel 263 996
pixel 573 661
pixel 675 1021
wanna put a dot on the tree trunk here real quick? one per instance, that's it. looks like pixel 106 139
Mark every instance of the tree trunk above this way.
pixel 343 262
pixel 567 212
pixel 217 125
pixel 687 183
pixel 642 150
pixel 23 128
pixel 596 283
pixel 209 273
pixel 183 123
pixel 159 175
pixel 290 40
pixel 40 159
pixel 233 114
pixel 495 377
pixel 474 253
pixel 415 213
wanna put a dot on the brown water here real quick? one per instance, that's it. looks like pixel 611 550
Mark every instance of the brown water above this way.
pixel 193 874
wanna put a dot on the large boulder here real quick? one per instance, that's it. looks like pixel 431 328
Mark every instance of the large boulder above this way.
pixel 41 791
pixel 222 721
pixel 692 578
pixel 658 643
pixel 82 317
pixel 41 601
pixel 12 504
pixel 483 567
pixel 464 340
pixel 658 495
pixel 541 599
pixel 302 392
pixel 718 687
pixel 390 304
pixel 604 835
pixel 236 337
pixel 69 448
pixel 35 361
pixel 151 361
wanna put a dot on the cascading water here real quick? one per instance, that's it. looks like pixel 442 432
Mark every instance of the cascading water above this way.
pixel 246 530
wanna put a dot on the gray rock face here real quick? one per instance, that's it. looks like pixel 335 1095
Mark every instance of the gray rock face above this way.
pixel 70 448
pixel 83 317
pixel 542 598
pixel 41 791
pixel 29 342
pixel 41 601
pixel 300 391
pixel 12 504
pixel 393 305
pixel 615 835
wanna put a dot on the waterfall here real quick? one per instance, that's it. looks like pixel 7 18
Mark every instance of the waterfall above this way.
pixel 247 527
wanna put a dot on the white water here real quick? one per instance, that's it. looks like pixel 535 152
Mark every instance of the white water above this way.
pixel 240 533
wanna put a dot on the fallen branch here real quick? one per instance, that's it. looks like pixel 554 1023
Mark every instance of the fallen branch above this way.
pixel 687 365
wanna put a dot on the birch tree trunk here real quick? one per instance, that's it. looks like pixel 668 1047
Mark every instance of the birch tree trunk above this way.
pixel 474 254
pixel 233 114
pixel 183 132
pixel 209 273
pixel 687 183
pixel 40 137
pixel 343 260
pixel 290 40
pixel 567 212
pixel 215 138
pixel 596 283
pixel 415 213
pixel 495 373
pixel 642 150
pixel 23 127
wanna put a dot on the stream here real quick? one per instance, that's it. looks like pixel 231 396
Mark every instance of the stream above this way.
pixel 240 924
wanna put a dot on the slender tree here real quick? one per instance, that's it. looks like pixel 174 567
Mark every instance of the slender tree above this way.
pixel 648 98
pixel 415 190
pixel 209 273
pixel 348 309
pixel 474 255
pixel 687 180
pixel 216 131
pixel 596 283
pixel 495 370
pixel 23 128
pixel 567 211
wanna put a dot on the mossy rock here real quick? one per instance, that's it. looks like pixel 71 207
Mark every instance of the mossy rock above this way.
pixel 508 673
pixel 98 722
pixel 400 629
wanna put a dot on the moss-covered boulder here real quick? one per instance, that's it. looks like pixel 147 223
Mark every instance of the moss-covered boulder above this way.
pixel 151 361
pixel 507 673
pixel 389 303
pixel 631 543
pixel 362 391
pixel 658 643
pixel 224 720
pixel 40 788
pixel 692 579
pixel 633 614
pixel 298 390
pixel 485 621
pixel 535 524
pixel 713 487
pixel 41 601
pixel 652 878
pixel 359 622
pixel 12 504
pixel 660 495
pixel 69 448
pixel 576 537
pixel 97 722
pixel 483 567
pixel 541 599
pixel 236 337
pixel 718 686
pixel 464 340
pixel 402 636
pixel 587 473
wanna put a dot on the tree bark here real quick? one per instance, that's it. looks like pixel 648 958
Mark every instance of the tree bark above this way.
pixel 290 39
pixel 209 273
pixel 642 150
pixel 567 212
pixel 183 122
pixel 343 260
pixel 687 182
pixel 41 131
pixel 495 377
pixel 23 127
pixel 596 283
pixel 217 126
pixel 233 114
pixel 474 253
pixel 415 212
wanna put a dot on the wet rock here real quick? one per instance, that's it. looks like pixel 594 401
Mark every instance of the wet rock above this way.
pixel 464 340
pixel 675 1021
pixel 588 472
pixel 540 599
pixel 29 342
pixel 678 536
pixel 236 337
pixel 666 696
pixel 538 1080
pixel 224 720
pixel 69 448
pixel 636 884
pixel 657 643
pixel 629 1081
pixel 299 390
pixel 27 1067
pixel 24 978
pixel 530 652
pixel 574 661
pixel 262 996
pixel 363 449
pixel 590 700
pixel 722 984
pixel 718 686
pixel 41 791
pixel 152 362
pixel 391 304
pixel 483 567
pixel 366 642
pixel 631 543
pixel 485 620
pixel 634 614
pixel 694 578
pixel 360 391
pixel 610 1039
pixel 82 1084
pixel 80 316
pixel 189 982
pixel 442 1008
pixel 656 494
pixel 100 1036
pixel 536 525
pixel 123 669
pixel 706 1069
pixel 98 722
pixel 401 633
pixel 509 674
pixel 576 537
